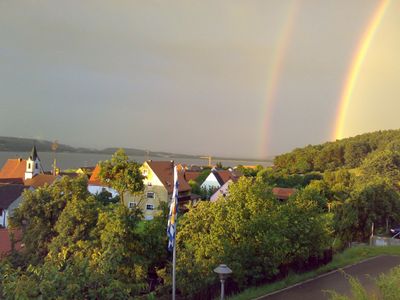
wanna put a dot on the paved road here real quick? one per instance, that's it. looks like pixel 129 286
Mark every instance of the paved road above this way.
pixel 336 281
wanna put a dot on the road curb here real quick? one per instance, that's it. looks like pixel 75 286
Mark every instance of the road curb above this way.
pixel 319 276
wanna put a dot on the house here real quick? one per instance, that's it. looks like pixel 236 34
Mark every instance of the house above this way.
pixel 40 180
pixel 159 185
pixel 88 171
pixel 96 186
pixel 222 191
pixel 190 175
pixel 218 178
pixel 283 193
pixel 21 169
pixel 16 175
pixel 7 237
pixel 10 197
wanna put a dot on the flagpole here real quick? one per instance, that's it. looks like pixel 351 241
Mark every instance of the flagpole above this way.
pixel 174 268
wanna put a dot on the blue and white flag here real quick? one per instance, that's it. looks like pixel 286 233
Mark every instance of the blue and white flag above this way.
pixel 171 229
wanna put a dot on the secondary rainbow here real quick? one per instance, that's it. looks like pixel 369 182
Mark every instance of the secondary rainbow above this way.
pixel 275 72
pixel 355 67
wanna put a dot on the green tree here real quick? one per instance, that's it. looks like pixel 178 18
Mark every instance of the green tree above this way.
pixel 375 201
pixel 38 214
pixel 355 152
pixel 87 249
pixel 250 231
pixel 382 164
pixel 122 174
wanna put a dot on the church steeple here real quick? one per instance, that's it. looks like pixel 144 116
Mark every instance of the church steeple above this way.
pixel 34 155
pixel 33 165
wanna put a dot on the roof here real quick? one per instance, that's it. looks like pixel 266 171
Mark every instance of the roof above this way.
pixel 191 175
pixel 223 190
pixel 40 180
pixel 165 172
pixel 283 193
pixel 86 169
pixel 11 181
pixel 71 175
pixel 33 155
pixel 5 240
pixel 13 168
pixel 9 193
pixel 223 176
pixel 95 178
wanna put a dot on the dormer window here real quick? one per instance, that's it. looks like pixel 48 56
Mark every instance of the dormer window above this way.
pixel 29 165
pixel 36 166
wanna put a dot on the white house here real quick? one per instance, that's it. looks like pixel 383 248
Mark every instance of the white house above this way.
pixel 218 178
pixel 10 197
pixel 222 191
pixel 96 186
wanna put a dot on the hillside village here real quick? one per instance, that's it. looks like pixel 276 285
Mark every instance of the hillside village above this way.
pixel 80 222
pixel 21 174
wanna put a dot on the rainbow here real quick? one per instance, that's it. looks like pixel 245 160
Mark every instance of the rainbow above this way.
pixel 355 67
pixel 275 72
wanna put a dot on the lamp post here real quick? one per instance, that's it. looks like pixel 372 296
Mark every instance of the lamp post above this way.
pixel 223 272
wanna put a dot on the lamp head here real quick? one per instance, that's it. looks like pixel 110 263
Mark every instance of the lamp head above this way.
pixel 223 271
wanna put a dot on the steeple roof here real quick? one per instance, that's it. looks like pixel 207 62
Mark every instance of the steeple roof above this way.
pixel 34 153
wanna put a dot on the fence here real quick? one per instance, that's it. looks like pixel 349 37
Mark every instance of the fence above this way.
pixel 384 241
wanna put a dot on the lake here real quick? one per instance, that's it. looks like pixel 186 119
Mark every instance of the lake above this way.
pixel 68 160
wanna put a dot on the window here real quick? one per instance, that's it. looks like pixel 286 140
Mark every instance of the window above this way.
pixel 131 204
pixel 150 195
pixel 150 207
pixel 36 166
pixel 149 184
pixel 29 165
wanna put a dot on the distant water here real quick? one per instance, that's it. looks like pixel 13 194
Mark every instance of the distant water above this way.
pixel 76 160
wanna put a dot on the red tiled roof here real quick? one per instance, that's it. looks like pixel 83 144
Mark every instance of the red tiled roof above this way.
pixel 13 168
pixel 9 193
pixel 11 181
pixel 95 178
pixel 40 180
pixel 223 176
pixel 5 240
pixel 191 175
pixel 283 193
pixel 165 172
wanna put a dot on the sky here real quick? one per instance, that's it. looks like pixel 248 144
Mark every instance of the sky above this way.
pixel 228 78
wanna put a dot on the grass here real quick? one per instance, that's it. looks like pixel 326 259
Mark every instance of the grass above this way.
pixel 347 257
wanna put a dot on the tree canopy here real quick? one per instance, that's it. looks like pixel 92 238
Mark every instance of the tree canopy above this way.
pixel 122 174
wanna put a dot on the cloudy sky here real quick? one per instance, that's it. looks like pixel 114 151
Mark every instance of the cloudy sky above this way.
pixel 233 78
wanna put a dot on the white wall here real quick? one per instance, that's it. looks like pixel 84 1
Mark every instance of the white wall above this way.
pixel 96 189
pixel 210 182
pixel 3 218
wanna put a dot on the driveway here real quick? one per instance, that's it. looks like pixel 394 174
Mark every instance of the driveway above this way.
pixel 336 280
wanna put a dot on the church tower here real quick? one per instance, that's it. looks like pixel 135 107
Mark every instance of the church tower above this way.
pixel 33 165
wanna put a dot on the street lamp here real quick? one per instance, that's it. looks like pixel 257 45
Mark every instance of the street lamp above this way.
pixel 223 272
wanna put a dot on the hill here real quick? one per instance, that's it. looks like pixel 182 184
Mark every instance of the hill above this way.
pixel 346 153
pixel 25 144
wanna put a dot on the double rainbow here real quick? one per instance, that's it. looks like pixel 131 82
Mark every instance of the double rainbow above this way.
pixel 275 71
pixel 355 67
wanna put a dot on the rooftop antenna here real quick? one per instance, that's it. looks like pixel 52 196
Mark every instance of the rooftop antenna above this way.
pixel 54 147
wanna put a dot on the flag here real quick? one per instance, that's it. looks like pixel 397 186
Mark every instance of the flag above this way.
pixel 171 229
